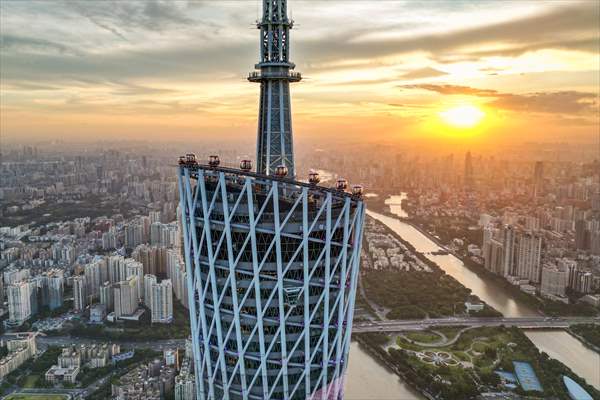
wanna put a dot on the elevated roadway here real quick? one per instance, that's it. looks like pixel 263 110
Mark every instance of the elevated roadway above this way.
pixel 358 327
pixel 522 322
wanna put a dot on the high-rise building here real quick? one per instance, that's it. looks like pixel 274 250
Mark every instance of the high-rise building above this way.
pixel 135 268
pixel 109 239
pixel 586 282
pixel 538 179
pixel 171 357
pixel 154 217
pixel 56 291
pixel 134 235
pixel 153 258
pixel 508 246
pixel 468 179
pixel 185 385
pixel 107 296
pixel 155 230
pixel 272 263
pixel 19 302
pixel 161 302
pixel 595 200
pixel 554 281
pixel 145 225
pixel 178 276
pixel 494 257
pixel 95 274
pixel 149 280
pixel 12 275
pixel 582 235
pixel 570 267
pixel 34 296
pixel 117 271
pixel 126 297
pixel 80 294
pixel 41 290
pixel 595 242
pixel 529 255
pixel 581 281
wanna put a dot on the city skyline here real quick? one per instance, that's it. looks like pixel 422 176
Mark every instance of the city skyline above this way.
pixel 145 70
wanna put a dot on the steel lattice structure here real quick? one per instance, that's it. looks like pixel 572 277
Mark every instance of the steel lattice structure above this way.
pixel 272 272
pixel 274 146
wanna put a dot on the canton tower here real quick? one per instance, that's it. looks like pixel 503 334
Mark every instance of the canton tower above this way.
pixel 272 263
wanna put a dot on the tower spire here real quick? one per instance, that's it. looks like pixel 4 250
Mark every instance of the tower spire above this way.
pixel 274 145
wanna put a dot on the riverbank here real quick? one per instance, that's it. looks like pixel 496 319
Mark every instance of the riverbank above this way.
pixel 422 291
pixel 369 378
pixel 365 341
pixel 538 305
pixel 465 367
pixel 583 339
pixel 560 345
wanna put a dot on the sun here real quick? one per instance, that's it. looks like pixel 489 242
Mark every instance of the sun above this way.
pixel 465 116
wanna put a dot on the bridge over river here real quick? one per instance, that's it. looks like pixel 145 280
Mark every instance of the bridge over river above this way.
pixel 521 322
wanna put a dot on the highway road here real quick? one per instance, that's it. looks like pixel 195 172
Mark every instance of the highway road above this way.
pixel 160 345
pixel 523 322
pixel 362 327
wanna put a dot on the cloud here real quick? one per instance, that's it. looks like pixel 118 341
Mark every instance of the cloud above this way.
pixel 568 102
pixel 149 15
pixel 26 86
pixel 192 51
pixel 177 63
pixel 10 42
pixel 130 89
pixel 106 51
pixel 573 25
pixel 453 89
pixel 562 102
pixel 426 72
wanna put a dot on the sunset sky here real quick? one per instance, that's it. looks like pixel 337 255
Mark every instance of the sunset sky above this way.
pixel 374 70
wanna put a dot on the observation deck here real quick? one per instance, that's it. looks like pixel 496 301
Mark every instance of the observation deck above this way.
pixel 285 74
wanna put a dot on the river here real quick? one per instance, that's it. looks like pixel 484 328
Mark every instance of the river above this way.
pixel 571 352
pixel 558 344
pixel 490 292
pixel 367 379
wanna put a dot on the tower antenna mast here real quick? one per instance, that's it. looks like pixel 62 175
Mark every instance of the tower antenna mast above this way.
pixel 274 147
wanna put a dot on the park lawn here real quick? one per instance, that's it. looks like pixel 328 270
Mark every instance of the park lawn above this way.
pixel 461 355
pixel 477 340
pixel 449 331
pixel 501 344
pixel 479 347
pixel 423 337
pixel 36 397
pixel 30 381
pixel 405 344
pixel 494 337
